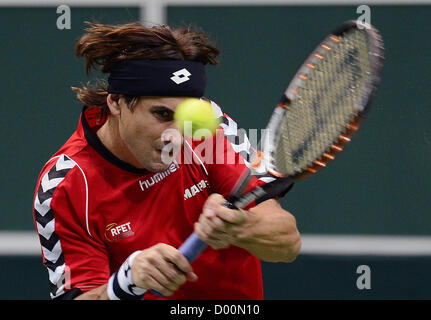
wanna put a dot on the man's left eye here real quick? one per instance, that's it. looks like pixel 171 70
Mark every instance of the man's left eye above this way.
pixel 164 115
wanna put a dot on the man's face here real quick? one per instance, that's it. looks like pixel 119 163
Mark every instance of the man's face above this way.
pixel 141 129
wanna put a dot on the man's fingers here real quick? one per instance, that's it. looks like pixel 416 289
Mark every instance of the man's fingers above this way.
pixel 176 257
pixel 215 240
pixel 172 273
pixel 164 279
pixel 191 276
pixel 149 277
pixel 162 268
pixel 222 230
pixel 217 224
pixel 157 286
pixel 178 266
pixel 214 207
pixel 232 216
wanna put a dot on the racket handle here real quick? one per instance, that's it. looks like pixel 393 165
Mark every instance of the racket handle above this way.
pixel 193 246
pixel 191 249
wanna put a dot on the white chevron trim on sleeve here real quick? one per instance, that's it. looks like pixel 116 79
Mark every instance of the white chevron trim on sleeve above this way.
pixel 245 146
pixel 57 277
pixel 54 254
pixel 231 128
pixel 46 231
pixel 217 110
pixel 44 207
pixel 50 242
pixel 64 163
pixel 48 184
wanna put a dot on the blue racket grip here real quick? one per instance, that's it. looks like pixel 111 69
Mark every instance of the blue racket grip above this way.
pixel 193 246
pixel 191 249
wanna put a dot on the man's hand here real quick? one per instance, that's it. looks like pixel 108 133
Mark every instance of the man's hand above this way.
pixel 267 230
pixel 219 226
pixel 157 268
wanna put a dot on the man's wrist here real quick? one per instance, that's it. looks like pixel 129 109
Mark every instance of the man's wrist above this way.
pixel 120 284
pixel 244 234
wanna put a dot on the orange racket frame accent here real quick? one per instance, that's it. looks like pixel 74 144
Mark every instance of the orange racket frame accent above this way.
pixel 303 74
pixel 290 93
pixel 336 148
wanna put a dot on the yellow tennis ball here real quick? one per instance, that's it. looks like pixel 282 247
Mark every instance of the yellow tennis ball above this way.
pixel 196 119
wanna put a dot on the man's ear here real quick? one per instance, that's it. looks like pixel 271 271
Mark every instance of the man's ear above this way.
pixel 113 102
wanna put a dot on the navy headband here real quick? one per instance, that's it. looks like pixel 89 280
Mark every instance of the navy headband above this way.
pixel 171 78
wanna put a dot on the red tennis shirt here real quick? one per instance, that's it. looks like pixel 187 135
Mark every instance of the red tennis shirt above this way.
pixel 93 210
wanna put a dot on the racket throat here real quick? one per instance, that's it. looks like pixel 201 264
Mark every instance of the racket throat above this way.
pixel 245 200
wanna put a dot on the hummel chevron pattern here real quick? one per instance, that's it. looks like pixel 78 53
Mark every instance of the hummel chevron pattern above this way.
pixel 45 221
pixel 240 143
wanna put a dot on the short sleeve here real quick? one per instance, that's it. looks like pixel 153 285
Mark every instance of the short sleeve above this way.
pixel 227 168
pixel 223 164
pixel 236 154
pixel 73 258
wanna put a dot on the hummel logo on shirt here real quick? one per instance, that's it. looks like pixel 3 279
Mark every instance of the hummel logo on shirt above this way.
pixel 159 176
pixel 181 76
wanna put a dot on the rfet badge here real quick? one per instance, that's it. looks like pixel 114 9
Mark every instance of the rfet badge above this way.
pixel 115 232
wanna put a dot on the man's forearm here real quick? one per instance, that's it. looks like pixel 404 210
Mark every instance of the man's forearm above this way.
pixel 270 233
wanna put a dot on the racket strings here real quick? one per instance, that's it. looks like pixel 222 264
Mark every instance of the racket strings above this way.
pixel 327 101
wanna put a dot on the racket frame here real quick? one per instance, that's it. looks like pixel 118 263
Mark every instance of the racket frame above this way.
pixel 376 57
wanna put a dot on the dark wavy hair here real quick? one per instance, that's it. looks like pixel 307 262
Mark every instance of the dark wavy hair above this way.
pixel 104 45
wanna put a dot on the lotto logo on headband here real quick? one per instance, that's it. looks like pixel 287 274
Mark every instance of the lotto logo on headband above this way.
pixel 181 76
pixel 170 78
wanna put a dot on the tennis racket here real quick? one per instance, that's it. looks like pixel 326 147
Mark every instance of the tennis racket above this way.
pixel 319 112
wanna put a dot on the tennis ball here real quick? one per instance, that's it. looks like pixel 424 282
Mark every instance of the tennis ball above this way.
pixel 196 119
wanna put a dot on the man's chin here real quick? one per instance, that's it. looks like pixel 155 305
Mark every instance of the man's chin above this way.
pixel 158 166
pixel 160 161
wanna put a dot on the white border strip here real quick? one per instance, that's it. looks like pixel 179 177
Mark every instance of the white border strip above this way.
pixel 197 3
pixel 379 245
pixel 76 3
pixel 26 243
pixel 287 2
pixel 154 12
pixel 20 243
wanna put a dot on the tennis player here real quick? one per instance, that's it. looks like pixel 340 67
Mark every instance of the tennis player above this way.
pixel 110 213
